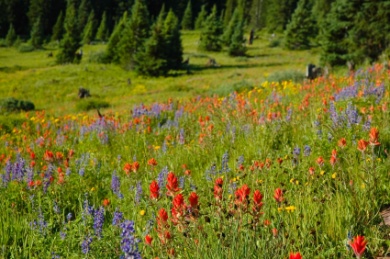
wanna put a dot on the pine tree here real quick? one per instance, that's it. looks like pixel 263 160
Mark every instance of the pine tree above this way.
pixel 237 18
pixel 236 46
pixel 112 51
pixel 36 37
pixel 58 28
pixel 258 11
pixel 279 14
pixel 151 60
pixel 11 36
pixel 88 33
pixel 135 33
pixel 186 23
pixel 83 13
pixel 201 18
pixel 301 29
pixel 71 41
pixel 211 34
pixel 229 11
pixel 172 36
pixel 102 32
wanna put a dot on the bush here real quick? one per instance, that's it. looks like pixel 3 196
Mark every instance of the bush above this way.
pixel 287 75
pixel 24 47
pixel 274 43
pixel 98 57
pixel 3 43
pixel 9 122
pixel 15 105
pixel 90 104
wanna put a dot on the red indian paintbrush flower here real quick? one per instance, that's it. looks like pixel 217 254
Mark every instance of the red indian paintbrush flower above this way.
pixel 374 135
pixel 362 145
pixel 172 184
pixel 257 201
pixel 148 240
pixel 152 162
pixel 242 194
pixel 359 246
pixel 127 167
pixel 278 195
pixel 154 190
pixel 296 255
pixel 162 217
pixel 135 166
pixel 342 143
pixel 218 189
pixel 194 199
pixel 320 161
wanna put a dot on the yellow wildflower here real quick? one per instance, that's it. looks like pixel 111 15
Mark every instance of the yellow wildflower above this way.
pixel 142 212
pixel 290 208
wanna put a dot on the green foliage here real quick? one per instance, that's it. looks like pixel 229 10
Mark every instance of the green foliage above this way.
pixel 15 105
pixel 287 75
pixel 200 19
pixel 237 44
pixel 102 32
pixel 236 19
pixel 136 31
pixel 228 88
pixel 186 22
pixel 91 104
pixel 58 28
pixel 112 51
pixel 211 34
pixel 89 29
pixel 11 36
pixel 25 47
pixel 172 37
pixel 71 41
pixel 83 14
pixel 279 14
pixel 9 121
pixel 36 37
pixel 230 9
pixel 301 29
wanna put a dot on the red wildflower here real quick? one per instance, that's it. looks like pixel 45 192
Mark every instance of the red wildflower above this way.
pixel 332 160
pixel 59 156
pixel 152 162
pixel 267 222
pixel 148 240
pixel 242 194
pixel 278 195
pixel 359 246
pixel 154 190
pixel 374 135
pixel 135 166
pixel 311 170
pixel 342 143
pixel 280 161
pixel 275 232
pixel 219 182
pixel 172 184
pixel 127 167
pixel 32 155
pixel 362 145
pixel 70 153
pixel 257 201
pixel 320 161
pixel 106 202
pixel 32 163
pixel 218 189
pixel 193 199
pixel 48 156
pixel 162 218
pixel 296 255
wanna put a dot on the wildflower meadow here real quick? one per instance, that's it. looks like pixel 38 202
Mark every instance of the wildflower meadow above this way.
pixel 284 170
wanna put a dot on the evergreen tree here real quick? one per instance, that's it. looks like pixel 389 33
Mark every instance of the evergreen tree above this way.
pixel 36 37
pixel 151 60
pixel 58 28
pixel 236 46
pixel 102 32
pixel 186 23
pixel 301 29
pixel 211 34
pixel 258 14
pixel 71 41
pixel 112 51
pixel 11 36
pixel 172 36
pixel 279 14
pixel 83 14
pixel 237 18
pixel 88 33
pixel 201 18
pixel 135 33
pixel 229 11
pixel 40 9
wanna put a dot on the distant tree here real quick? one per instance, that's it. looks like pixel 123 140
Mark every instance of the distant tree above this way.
pixel 89 30
pixel 258 14
pixel 36 37
pixel 58 28
pixel 11 36
pixel 172 36
pixel 211 34
pixel 279 14
pixel 40 9
pixel 112 51
pixel 229 10
pixel 151 60
pixel 201 18
pixel 301 29
pixel 186 22
pixel 83 13
pixel 71 41
pixel 237 18
pixel 237 46
pixel 135 33
pixel 102 32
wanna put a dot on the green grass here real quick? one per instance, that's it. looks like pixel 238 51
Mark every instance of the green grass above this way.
pixel 35 76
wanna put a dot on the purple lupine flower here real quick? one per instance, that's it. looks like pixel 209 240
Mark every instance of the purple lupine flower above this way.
pixel 181 182
pixel 164 147
pixel 138 192
pixel 232 187
pixel 129 243
pixel 289 115
pixel 98 221
pixel 367 124
pixel 81 171
pixel 352 115
pixel 56 209
pixel 7 176
pixel 296 151
pixel 240 160
pixel 85 246
pixel 181 137
pixel 117 218
pixel 68 171
pixel 161 179
pixel 306 150
pixel 30 175
pixel 62 235
pixel 18 169
pixel 225 159
pixel 333 114
pixel 69 216
pixel 115 183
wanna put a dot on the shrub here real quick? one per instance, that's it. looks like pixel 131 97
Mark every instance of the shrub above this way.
pixel 7 123
pixel 286 75
pixel 226 89
pixel 24 47
pixel 90 104
pixel 15 105
pixel 274 43
pixel 99 57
